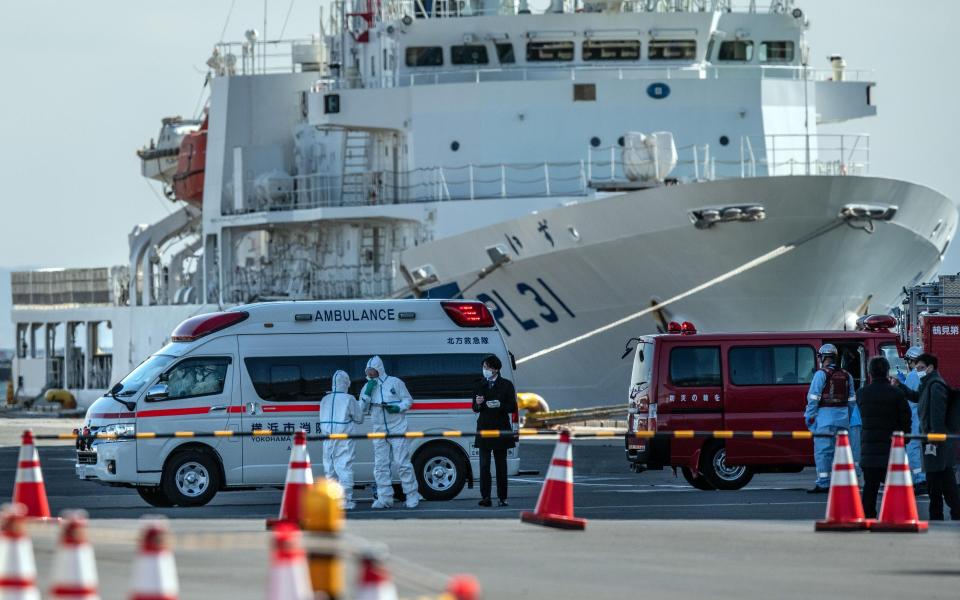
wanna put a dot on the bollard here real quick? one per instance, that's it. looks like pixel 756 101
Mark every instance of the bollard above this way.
pixel 322 519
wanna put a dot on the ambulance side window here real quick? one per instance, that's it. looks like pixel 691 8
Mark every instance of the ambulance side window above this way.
pixel 193 377
pixel 771 365
pixel 695 366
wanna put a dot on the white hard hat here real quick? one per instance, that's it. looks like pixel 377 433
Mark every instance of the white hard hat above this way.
pixel 827 349
pixel 913 352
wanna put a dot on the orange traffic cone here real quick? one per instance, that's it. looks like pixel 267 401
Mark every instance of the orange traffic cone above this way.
pixel 154 571
pixel 555 504
pixel 299 477
pixel 28 488
pixel 844 508
pixel 74 570
pixel 289 579
pixel 18 571
pixel 375 583
pixel 464 587
pixel 898 509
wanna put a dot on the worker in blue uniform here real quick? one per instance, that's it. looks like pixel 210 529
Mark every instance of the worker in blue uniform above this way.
pixel 912 381
pixel 829 406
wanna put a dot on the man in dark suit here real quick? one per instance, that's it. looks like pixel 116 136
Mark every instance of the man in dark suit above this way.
pixel 934 399
pixel 884 409
pixel 494 399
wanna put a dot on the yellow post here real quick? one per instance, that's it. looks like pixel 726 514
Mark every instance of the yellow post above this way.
pixel 322 520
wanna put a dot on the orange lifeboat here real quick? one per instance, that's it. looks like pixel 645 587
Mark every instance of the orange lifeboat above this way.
pixel 191 162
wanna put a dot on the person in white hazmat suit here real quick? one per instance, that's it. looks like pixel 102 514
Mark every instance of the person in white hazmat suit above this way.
pixel 339 411
pixel 388 401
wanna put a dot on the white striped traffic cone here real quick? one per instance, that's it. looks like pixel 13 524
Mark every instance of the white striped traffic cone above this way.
pixel 299 478
pixel 555 504
pixel 375 583
pixel 289 579
pixel 74 568
pixel 18 571
pixel 898 509
pixel 29 489
pixel 844 507
pixel 154 571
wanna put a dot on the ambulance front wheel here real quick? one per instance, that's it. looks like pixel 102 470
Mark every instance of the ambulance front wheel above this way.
pixel 190 478
pixel 441 471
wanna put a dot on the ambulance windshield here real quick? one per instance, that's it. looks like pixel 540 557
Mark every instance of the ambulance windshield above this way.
pixel 146 372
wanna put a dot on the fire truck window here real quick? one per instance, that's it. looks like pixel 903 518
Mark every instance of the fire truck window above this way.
pixel 772 365
pixel 695 367
pixel 897 364
pixel 196 377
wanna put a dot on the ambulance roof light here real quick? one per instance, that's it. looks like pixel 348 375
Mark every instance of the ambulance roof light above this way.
pixel 674 327
pixel 196 327
pixel 468 314
pixel 688 328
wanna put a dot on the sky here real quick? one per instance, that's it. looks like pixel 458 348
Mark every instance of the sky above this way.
pixel 87 83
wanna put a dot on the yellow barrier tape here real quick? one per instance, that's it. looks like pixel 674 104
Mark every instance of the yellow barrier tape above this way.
pixel 339 436
pixel 489 433
pixel 222 433
pixel 723 435
pixel 376 436
pixel 182 434
pixel 66 436
pixel 684 434
pixel 106 436
pixel 146 435
pixel 261 432
pixel 452 433
pixel 644 435
pixel 763 435
pixel 605 433
pixel 413 434
pixel 528 432
pixel 937 437
pixel 801 435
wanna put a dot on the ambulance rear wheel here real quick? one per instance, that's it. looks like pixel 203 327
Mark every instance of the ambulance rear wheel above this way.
pixel 713 465
pixel 190 478
pixel 441 472
pixel 698 481
pixel 154 496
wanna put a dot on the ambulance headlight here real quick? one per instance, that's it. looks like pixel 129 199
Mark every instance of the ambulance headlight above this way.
pixel 119 430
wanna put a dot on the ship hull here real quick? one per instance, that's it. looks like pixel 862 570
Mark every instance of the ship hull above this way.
pixel 559 297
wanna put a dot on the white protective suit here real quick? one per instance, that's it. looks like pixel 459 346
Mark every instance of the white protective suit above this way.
pixel 378 394
pixel 339 411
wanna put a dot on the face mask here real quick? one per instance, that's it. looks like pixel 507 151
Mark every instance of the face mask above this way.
pixel 922 373
pixel 369 378
pixel 488 374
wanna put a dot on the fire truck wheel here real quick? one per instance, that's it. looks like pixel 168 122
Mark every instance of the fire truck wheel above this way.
pixel 441 471
pixel 190 478
pixel 718 473
pixel 154 496
pixel 698 481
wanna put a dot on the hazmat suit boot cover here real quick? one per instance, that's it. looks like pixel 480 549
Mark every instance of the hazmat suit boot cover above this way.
pixel 339 413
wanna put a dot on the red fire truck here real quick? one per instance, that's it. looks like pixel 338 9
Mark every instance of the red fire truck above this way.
pixel 930 318
pixel 684 380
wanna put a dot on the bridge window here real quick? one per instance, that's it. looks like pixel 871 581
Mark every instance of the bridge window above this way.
pixel 672 49
pixel 468 54
pixel 424 56
pixel 776 52
pixel 611 50
pixel 549 51
pixel 736 51
pixel 505 53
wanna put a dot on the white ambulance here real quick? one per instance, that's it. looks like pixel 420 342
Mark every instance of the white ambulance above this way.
pixel 266 367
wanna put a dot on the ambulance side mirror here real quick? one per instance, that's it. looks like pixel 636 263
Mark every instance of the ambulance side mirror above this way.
pixel 157 392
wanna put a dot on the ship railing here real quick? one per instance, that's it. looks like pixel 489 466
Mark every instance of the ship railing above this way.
pixel 591 73
pixel 804 154
pixel 259 57
pixel 333 283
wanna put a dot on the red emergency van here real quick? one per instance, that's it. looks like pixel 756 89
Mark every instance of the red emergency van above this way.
pixel 685 380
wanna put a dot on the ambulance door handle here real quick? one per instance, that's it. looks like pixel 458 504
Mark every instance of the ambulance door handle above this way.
pixel 218 408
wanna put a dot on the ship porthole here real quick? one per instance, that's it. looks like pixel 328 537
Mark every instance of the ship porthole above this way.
pixel 574 233
pixel 454 145
pixel 724 140
pixel 595 141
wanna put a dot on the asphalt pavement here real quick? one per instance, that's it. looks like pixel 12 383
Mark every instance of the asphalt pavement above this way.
pixel 648 535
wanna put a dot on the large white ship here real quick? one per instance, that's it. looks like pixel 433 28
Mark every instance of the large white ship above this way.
pixel 486 149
